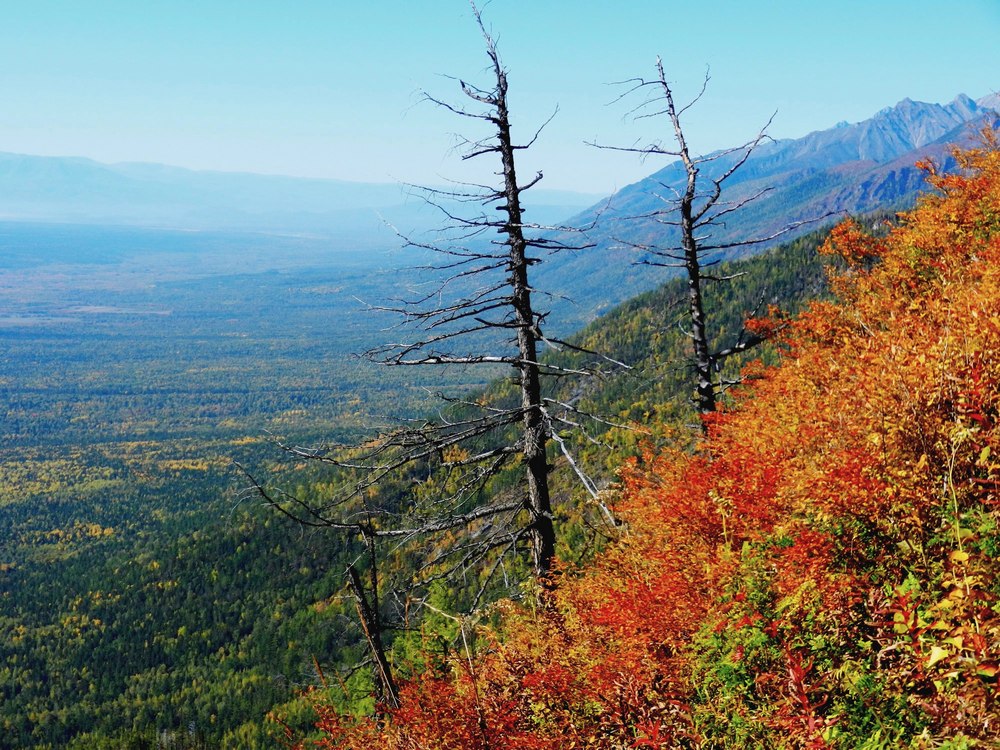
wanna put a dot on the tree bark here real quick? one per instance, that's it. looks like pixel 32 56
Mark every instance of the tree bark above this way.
pixel 534 432
pixel 705 390
pixel 385 686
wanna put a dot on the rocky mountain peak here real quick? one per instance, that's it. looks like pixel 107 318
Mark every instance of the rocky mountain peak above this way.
pixel 990 101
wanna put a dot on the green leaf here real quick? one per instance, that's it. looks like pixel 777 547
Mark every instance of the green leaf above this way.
pixel 937 654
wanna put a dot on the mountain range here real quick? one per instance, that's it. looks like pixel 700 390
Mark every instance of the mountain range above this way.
pixel 849 169
pixel 82 191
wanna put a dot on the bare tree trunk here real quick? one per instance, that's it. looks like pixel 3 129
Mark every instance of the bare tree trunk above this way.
pixel 385 686
pixel 705 388
pixel 479 312
pixel 693 213
pixel 534 433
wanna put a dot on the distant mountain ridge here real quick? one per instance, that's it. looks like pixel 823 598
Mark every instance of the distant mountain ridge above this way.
pixel 851 168
pixel 847 169
pixel 79 190
pixel 891 133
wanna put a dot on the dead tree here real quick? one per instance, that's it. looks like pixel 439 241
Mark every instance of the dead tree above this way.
pixel 471 485
pixel 692 214
pixel 486 296
pixel 371 626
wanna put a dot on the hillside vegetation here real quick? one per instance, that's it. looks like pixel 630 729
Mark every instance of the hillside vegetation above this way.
pixel 820 571
pixel 142 603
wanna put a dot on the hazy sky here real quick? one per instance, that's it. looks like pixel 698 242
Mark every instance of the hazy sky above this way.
pixel 331 88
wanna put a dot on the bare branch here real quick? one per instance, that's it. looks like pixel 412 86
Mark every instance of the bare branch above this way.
pixel 693 214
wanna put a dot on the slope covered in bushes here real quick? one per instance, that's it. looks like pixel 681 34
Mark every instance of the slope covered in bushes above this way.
pixel 822 571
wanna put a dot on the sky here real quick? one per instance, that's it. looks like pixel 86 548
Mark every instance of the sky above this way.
pixel 333 89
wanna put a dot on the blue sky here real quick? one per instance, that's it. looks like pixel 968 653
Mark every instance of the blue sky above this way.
pixel 329 88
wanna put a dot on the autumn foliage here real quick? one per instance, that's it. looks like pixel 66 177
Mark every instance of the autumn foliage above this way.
pixel 822 571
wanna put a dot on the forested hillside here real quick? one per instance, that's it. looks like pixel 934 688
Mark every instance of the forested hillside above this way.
pixel 819 571
pixel 243 605
pixel 293 456
pixel 132 555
